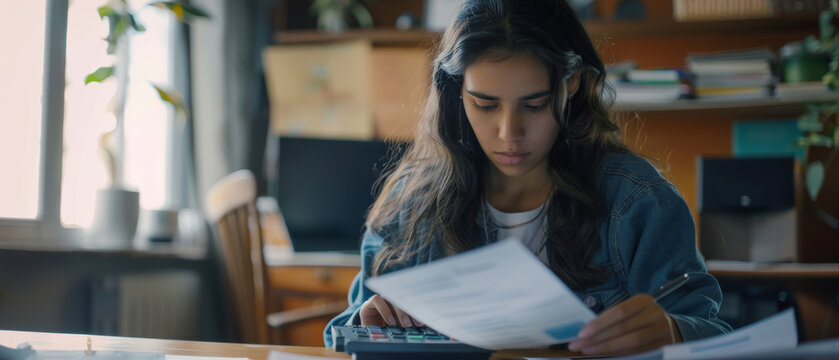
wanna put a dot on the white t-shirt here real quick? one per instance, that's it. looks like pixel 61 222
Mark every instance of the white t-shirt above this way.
pixel 531 233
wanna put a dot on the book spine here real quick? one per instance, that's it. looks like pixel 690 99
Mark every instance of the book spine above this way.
pixel 711 10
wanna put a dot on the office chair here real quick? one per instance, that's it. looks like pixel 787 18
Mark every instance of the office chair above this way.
pixel 231 205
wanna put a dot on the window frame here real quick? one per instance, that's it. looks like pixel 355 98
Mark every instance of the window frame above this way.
pixel 46 227
pixel 46 230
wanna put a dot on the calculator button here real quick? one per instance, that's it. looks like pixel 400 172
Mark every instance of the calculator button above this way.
pixel 415 338
pixel 395 330
pixel 412 331
pixel 429 331
pixel 374 335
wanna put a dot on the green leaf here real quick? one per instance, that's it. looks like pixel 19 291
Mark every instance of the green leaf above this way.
pixel 830 79
pixel 100 74
pixel 183 12
pixel 809 122
pixel 174 98
pixel 826 27
pixel 106 11
pixel 815 179
pixel 816 139
pixel 811 45
pixel 362 16
pixel 319 6
pixel 136 25
pixel 195 12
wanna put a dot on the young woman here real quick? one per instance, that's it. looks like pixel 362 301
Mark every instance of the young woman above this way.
pixel 516 141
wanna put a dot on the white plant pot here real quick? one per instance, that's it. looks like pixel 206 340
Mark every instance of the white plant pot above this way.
pixel 114 218
pixel 159 225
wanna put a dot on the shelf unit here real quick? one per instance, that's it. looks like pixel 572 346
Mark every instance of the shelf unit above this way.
pixel 383 37
pixel 655 28
pixel 755 106
pixel 595 28
pixel 654 42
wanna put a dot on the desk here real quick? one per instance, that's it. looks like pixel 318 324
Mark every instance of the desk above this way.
pixel 55 341
pixel 303 279
pixel 300 280
pixel 814 286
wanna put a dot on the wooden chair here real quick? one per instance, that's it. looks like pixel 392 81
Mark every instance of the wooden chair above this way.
pixel 231 206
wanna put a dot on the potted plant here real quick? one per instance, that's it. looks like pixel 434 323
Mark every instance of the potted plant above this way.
pixel 818 220
pixel 116 209
pixel 332 14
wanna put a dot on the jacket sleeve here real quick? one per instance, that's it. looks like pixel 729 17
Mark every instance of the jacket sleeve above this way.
pixel 359 293
pixel 664 248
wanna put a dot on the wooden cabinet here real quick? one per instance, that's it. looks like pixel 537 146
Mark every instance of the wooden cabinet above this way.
pixel 814 286
pixel 300 286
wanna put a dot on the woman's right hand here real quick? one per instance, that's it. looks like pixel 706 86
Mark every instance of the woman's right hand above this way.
pixel 379 312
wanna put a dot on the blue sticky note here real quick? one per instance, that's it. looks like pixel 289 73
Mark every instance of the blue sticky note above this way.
pixel 565 332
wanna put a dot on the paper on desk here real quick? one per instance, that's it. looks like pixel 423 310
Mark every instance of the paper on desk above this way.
pixel 498 296
pixel 776 332
pixel 774 337
pixel 760 340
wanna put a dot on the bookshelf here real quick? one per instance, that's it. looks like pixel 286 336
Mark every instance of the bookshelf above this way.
pixel 744 107
pixel 377 37
pixel 596 29
pixel 658 41
pixel 668 27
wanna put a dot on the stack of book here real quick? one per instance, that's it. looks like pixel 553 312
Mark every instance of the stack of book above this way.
pixel 658 85
pixel 733 74
pixel 784 90
pixel 710 10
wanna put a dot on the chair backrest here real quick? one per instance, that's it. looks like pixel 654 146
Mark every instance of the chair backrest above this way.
pixel 231 205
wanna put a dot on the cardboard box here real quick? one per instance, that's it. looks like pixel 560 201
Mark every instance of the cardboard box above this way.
pixel 400 77
pixel 320 90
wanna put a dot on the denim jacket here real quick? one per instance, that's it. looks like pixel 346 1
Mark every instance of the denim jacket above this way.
pixel 647 238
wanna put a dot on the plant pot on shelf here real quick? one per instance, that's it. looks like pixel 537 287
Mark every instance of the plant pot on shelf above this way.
pixel 114 218
pixel 818 241
pixel 158 225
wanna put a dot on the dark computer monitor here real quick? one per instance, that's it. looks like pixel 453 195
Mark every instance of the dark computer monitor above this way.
pixel 324 188
pixel 745 185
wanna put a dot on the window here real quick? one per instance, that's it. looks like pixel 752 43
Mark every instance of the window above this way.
pixel 29 189
pixel 22 26
pixel 87 114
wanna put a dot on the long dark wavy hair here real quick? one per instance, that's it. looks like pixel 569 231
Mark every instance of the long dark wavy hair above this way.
pixel 433 196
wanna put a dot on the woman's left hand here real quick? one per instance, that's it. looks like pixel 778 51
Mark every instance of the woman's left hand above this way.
pixel 635 325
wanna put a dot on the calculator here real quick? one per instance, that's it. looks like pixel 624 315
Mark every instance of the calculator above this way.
pixel 393 342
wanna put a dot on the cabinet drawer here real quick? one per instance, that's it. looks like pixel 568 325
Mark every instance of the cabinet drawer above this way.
pixel 312 279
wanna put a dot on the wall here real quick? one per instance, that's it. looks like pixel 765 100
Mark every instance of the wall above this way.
pixel 50 291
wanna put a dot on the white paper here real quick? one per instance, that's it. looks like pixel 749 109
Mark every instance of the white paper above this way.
pixel 776 332
pixel 765 337
pixel 498 296
pixel 774 337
